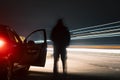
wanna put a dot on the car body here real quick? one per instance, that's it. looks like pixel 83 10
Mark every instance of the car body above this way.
pixel 16 54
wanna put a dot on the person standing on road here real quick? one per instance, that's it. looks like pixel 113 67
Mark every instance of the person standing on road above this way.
pixel 60 37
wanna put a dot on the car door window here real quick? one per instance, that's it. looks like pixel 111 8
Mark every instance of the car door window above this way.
pixel 37 37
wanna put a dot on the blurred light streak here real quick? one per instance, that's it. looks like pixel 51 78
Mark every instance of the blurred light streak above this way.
pixel 96 30
pixel 96 36
pixel 107 31
pixel 97 26
pixel 99 31
pixel 115 51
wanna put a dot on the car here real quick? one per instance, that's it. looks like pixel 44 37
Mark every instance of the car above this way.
pixel 17 54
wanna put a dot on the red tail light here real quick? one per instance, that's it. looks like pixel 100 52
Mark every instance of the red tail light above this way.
pixel 3 48
pixel 2 43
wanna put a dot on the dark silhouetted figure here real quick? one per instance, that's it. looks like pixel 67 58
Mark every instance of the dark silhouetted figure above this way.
pixel 60 37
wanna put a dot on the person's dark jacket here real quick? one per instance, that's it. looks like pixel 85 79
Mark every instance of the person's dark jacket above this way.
pixel 60 35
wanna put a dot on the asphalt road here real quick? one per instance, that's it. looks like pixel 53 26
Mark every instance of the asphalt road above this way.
pixel 81 65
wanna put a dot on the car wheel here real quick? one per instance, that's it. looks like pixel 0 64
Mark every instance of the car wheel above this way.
pixel 6 71
pixel 9 72
pixel 3 72
pixel 24 70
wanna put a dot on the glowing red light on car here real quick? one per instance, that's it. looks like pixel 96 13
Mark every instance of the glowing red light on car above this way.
pixel 2 43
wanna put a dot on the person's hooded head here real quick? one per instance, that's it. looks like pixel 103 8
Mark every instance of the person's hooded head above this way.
pixel 60 22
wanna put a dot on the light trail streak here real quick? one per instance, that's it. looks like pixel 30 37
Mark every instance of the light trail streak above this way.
pixel 95 26
pixel 107 31
pixel 95 30
pixel 100 32
pixel 95 33
pixel 115 51
pixel 96 36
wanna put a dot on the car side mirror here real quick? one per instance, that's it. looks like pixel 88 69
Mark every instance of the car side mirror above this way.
pixel 31 42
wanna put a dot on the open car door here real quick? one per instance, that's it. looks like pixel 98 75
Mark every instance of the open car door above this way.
pixel 36 48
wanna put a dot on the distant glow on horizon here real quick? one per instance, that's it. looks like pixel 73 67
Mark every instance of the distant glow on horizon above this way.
pixel 117 51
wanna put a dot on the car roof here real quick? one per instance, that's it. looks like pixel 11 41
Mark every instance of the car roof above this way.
pixel 5 27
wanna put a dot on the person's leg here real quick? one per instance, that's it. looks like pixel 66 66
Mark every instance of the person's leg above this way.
pixel 56 57
pixel 55 69
pixel 63 58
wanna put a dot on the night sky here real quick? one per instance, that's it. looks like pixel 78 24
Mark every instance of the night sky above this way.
pixel 28 15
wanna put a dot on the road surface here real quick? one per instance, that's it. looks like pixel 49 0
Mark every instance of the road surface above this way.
pixel 82 64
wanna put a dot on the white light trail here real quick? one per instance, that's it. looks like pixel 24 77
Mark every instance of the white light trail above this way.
pixel 96 33
pixel 95 26
pixel 106 31
pixel 115 51
pixel 99 31
pixel 96 30
pixel 96 36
